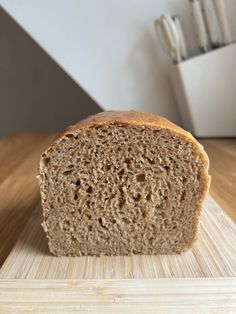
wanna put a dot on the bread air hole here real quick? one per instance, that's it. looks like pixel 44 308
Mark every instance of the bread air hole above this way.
pixel 89 189
pixel 108 167
pixel 78 182
pixel 121 173
pixel 137 197
pixel 67 172
pixel 150 161
pixel 144 213
pixel 127 161
pixel 101 223
pixel 141 177
pixel 46 161
pixel 167 169
pixel 183 196
pixel 148 196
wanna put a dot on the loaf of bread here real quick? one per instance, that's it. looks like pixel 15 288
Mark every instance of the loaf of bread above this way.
pixel 120 183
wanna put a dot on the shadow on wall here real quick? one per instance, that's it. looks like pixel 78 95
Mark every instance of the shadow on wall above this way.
pixel 36 94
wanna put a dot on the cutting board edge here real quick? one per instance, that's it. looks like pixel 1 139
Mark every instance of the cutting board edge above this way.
pixel 110 294
pixel 62 283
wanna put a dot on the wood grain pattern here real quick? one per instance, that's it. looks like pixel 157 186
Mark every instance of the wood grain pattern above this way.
pixel 118 296
pixel 214 255
pixel 222 155
pixel 19 192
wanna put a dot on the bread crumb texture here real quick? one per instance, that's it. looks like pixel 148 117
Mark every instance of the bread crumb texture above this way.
pixel 121 186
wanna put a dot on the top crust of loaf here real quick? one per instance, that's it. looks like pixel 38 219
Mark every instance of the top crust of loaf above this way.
pixel 135 118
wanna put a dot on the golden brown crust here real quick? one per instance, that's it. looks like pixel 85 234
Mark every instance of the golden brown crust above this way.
pixel 134 118
pixel 126 118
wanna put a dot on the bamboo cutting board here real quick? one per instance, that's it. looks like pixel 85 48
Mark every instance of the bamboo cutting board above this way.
pixel 202 278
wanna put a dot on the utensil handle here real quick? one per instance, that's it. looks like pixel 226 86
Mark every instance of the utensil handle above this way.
pixel 199 25
pixel 223 20
pixel 172 35
pixel 163 40
pixel 212 24
pixel 183 47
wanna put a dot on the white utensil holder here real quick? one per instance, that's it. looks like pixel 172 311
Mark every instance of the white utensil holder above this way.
pixel 205 90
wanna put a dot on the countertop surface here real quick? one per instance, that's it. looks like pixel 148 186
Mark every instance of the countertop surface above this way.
pixel 19 192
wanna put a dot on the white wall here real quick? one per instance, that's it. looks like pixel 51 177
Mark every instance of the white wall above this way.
pixel 109 46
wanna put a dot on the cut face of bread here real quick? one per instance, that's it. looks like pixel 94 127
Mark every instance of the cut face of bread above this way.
pixel 119 187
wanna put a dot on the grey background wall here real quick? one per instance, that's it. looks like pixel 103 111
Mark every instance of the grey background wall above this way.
pixel 36 95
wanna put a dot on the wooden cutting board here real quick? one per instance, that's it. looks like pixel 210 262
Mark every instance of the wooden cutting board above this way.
pixel 202 278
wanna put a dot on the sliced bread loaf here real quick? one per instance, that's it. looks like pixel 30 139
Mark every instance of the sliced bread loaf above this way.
pixel 121 183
